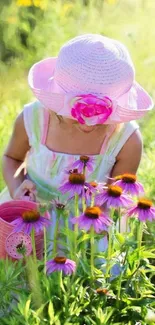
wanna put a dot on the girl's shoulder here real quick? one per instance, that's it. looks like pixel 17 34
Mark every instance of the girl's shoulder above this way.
pixel 120 137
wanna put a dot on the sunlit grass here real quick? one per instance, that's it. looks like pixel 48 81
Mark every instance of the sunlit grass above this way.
pixel 132 22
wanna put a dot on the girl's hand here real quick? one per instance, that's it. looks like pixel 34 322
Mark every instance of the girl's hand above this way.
pixel 26 191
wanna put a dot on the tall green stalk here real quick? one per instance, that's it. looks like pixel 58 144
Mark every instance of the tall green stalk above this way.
pixel 45 250
pixel 92 199
pixel 76 225
pixel 92 243
pixel 55 239
pixel 83 198
pixel 69 242
pixel 34 245
pixel 120 279
pixel 139 238
pixel 110 247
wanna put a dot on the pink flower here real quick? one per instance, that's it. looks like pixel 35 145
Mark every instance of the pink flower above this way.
pixel 143 210
pixel 91 110
pixel 129 183
pixel 114 197
pixel 61 263
pixel 83 162
pixel 93 217
pixel 30 220
pixel 76 184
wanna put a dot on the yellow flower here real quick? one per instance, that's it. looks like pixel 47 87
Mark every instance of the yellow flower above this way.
pixel 24 3
pixel 66 8
pixel 111 2
pixel 42 4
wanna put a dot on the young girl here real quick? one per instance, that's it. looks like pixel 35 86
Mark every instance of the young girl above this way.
pixel 87 99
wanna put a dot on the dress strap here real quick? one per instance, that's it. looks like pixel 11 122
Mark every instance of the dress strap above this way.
pixel 45 126
pixel 33 114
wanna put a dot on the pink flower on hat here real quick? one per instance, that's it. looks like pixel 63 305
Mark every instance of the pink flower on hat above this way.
pixel 91 109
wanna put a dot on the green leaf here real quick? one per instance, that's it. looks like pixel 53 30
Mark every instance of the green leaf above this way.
pixel 147 254
pixel 84 237
pixel 51 312
pixel 120 238
pixel 27 309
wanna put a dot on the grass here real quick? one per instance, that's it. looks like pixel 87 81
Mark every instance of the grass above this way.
pixel 131 22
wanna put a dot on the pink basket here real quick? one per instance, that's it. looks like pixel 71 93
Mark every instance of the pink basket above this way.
pixel 9 211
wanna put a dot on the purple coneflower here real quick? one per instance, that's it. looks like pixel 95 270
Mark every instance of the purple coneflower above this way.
pixel 75 185
pixel 95 187
pixel 61 263
pixel 114 197
pixel 84 162
pixel 143 210
pixel 128 182
pixel 30 220
pixel 93 217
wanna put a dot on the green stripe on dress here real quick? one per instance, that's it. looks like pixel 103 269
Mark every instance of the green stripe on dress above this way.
pixel 44 190
pixel 36 123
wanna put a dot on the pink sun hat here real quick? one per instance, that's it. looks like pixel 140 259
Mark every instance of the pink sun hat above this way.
pixel 92 80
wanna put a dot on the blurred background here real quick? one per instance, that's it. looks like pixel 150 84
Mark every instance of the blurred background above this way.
pixel 34 29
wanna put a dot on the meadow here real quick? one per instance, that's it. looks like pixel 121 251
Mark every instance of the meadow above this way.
pixel 35 29
pixel 32 32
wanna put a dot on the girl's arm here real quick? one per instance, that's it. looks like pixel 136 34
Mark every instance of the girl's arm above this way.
pixel 129 157
pixel 13 157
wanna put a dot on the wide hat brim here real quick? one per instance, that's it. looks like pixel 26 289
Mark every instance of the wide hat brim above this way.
pixel 132 105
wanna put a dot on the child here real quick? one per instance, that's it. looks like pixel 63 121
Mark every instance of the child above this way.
pixel 87 101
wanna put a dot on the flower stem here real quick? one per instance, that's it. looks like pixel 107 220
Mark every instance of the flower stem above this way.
pixel 119 288
pixel 76 225
pixel 119 219
pixel 45 250
pixel 110 244
pixel 34 245
pixel 83 198
pixel 92 199
pixel 109 251
pixel 83 204
pixel 56 234
pixel 139 237
pixel 68 240
pixel 92 250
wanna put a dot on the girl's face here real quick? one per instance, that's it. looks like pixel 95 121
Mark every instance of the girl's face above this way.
pixel 82 127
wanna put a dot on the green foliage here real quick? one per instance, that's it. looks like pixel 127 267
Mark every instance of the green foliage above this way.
pixel 29 33
pixel 31 30
pixel 126 297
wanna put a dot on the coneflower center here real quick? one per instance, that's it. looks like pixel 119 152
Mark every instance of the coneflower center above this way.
pixel 144 204
pixel 93 184
pixel 76 178
pixel 60 206
pixel 102 291
pixel 60 259
pixel 93 212
pixel 114 191
pixel 129 178
pixel 84 159
pixel 30 216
